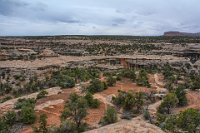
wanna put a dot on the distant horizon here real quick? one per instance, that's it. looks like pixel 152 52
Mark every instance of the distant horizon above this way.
pixel 99 17
pixel 94 35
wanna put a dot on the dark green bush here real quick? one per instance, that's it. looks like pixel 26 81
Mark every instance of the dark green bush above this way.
pixel 42 94
pixel 27 115
pixel 30 102
pixel 111 81
pixel 96 86
pixel 110 116
pixel 92 103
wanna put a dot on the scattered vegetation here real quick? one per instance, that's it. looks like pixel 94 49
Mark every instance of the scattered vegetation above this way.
pixel 111 81
pixel 92 103
pixel 74 112
pixel 30 102
pixel 96 86
pixel 181 95
pixel 42 94
pixel 142 79
pixel 129 73
pixel 42 125
pixel 5 99
pixel 130 101
pixel 186 121
pixel 110 116
pixel 170 101
pixel 27 115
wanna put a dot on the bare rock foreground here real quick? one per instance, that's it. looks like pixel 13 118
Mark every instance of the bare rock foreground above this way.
pixel 136 125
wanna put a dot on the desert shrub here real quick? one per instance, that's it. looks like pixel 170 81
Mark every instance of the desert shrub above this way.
pixel 25 103
pixel 17 77
pixel 146 114
pixel 129 73
pixel 167 71
pixel 42 94
pixel 10 117
pixel 186 121
pixel 5 99
pixel 5 88
pixel 181 95
pixel 27 115
pixel 170 101
pixel 142 79
pixel 65 81
pixel 129 101
pixel 110 116
pixel 79 74
pixel 194 82
pixel 170 124
pixel 75 111
pixel 111 81
pixel 96 86
pixel 43 125
pixel 92 103
pixel 66 126
pixel 4 128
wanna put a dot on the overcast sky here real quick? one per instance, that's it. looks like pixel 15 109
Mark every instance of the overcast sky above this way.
pixel 98 17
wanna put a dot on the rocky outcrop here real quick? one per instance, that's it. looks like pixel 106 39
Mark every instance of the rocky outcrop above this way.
pixel 136 125
pixel 48 53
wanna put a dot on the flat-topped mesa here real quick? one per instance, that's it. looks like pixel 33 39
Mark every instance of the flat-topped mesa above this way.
pixel 177 33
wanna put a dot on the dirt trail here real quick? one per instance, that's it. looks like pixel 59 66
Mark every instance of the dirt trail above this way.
pixel 49 112
pixel 193 101
pixel 48 103
pixel 136 125
pixel 103 99
pixel 157 80
pixel 159 85
pixel 8 105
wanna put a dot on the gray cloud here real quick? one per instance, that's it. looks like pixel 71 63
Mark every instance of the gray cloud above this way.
pixel 7 7
pixel 126 17
pixel 118 21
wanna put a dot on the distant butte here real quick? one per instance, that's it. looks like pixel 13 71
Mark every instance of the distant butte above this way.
pixel 177 33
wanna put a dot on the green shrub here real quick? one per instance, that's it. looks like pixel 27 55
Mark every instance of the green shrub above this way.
pixel 42 94
pixel 75 111
pixel 5 99
pixel 142 79
pixel 30 102
pixel 170 101
pixel 146 114
pixel 129 73
pixel 67 126
pixel 96 86
pixel 129 101
pixel 181 95
pixel 66 82
pixel 111 81
pixel 10 117
pixel 4 128
pixel 92 103
pixel 110 116
pixel 188 120
pixel 27 115
pixel 43 125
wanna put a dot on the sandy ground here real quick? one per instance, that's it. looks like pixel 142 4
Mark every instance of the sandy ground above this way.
pixel 136 125
pixel 53 105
